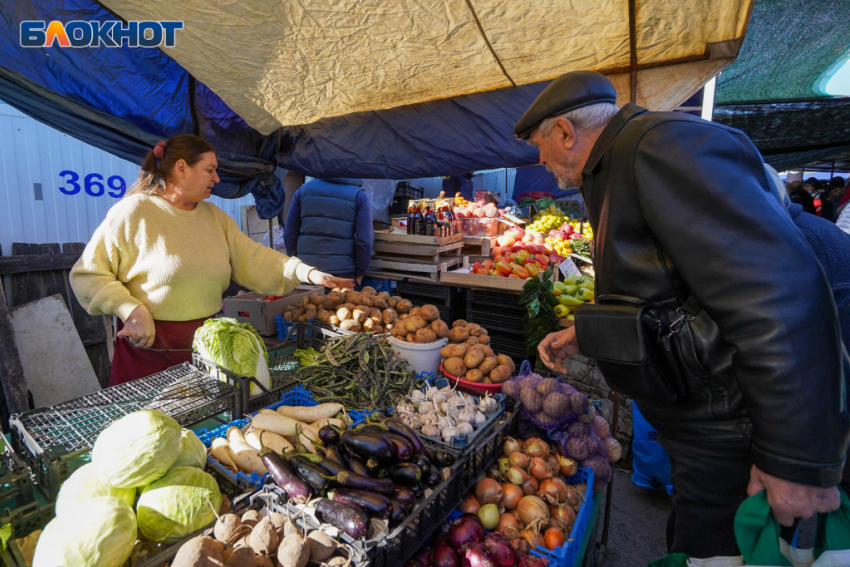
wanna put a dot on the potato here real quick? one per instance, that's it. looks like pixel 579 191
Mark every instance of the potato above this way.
pixel 392 302
pixel 350 325
pixel 369 324
pixel 474 329
pixel 459 351
pixel 459 323
pixel 474 375
pixel 334 320
pixel 501 373
pixel 404 306
pixel 505 360
pixel 430 312
pixel 343 314
pixel 385 295
pixel 486 349
pixel 251 518
pixel 332 301
pixel 389 315
pixel 440 328
pixel 376 315
pixel 403 316
pixel 316 299
pixel 305 318
pixel 458 335
pixel 411 338
pixel 365 299
pixel 399 332
pixel 304 301
pixel 473 358
pixel 488 364
pixel 369 290
pixel 445 352
pixel 322 546
pixel 297 312
pixel 455 366
pixel 389 327
pixel 487 380
pixel 361 312
pixel 324 315
pixel 294 551
pixel 227 526
pixel 264 538
pixel 484 332
pixel 379 302
pixel 484 339
pixel 200 551
pixel 416 312
pixel 472 341
pixel 414 323
pixel 287 316
pixel 349 306
pixel 377 329
pixel 425 335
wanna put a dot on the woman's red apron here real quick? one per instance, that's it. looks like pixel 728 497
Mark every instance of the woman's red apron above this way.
pixel 171 346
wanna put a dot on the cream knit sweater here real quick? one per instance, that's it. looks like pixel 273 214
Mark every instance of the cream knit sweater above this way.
pixel 177 263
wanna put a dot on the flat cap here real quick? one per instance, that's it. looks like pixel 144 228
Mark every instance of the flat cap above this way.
pixel 569 91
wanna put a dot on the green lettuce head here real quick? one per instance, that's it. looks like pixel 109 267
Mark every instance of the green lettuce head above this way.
pixel 178 504
pixel 137 449
pixel 193 453
pixel 101 533
pixel 87 483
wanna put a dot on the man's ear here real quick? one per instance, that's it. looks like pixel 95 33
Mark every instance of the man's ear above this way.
pixel 566 133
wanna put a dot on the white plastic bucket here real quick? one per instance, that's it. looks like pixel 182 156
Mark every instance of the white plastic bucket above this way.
pixel 420 357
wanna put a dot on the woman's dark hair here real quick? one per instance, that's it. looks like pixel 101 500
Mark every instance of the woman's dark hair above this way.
pixel 155 169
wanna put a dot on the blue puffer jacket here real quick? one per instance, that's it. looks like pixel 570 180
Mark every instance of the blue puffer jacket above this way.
pixel 329 226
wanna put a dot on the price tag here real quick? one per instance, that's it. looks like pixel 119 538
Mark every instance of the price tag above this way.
pixel 569 267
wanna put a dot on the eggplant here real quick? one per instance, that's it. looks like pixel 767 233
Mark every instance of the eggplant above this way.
pixel 357 466
pixel 370 445
pixel 347 479
pixel 406 474
pixel 373 504
pixel 398 512
pixel 346 518
pixel 399 427
pixel 403 447
pixel 404 495
pixel 417 490
pixel 441 458
pixel 423 463
pixel 333 455
pixel 283 476
pixel 433 478
pixel 328 466
pixel 367 428
pixel 373 466
pixel 310 473
pixel 329 435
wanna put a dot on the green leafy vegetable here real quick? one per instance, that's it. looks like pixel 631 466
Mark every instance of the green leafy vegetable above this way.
pixel 193 453
pixel 86 483
pixel 236 347
pixel 5 534
pixel 539 303
pixel 308 357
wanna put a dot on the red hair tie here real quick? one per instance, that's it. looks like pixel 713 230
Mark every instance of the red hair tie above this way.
pixel 158 149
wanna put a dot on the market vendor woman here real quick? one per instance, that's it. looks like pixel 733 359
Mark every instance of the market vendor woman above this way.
pixel 163 257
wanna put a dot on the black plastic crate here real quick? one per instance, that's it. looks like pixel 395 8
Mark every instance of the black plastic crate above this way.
pixel 15 484
pixel 495 319
pixel 55 441
pixel 449 312
pixel 24 521
pixel 437 291
pixel 486 449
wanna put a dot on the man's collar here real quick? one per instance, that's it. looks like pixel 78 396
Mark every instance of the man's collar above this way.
pixel 609 133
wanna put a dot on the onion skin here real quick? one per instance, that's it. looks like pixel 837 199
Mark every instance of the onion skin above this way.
pixel 504 464
pixel 531 509
pixel 464 530
pixel 574 497
pixel 554 488
pixel 488 491
pixel 444 556
pixel 500 550
pixel 511 446
pixel 521 546
pixel 470 505
pixel 530 487
pixel 511 495
pixel 508 526
pixel 536 447
pixel 554 464
pixel 520 460
pixel 540 469
pixel 568 467
pixel 562 516
pixel 476 555
pixel 517 476
pixel 553 538
pixel 533 537
pixel 530 561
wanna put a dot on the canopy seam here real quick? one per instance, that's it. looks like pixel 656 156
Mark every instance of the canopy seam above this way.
pixel 487 41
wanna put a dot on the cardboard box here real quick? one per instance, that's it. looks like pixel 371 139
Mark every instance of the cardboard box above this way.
pixel 251 307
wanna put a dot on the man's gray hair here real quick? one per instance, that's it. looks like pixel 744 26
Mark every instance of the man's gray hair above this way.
pixel 585 118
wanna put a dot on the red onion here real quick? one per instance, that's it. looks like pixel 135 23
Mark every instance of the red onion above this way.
pixel 420 560
pixel 476 555
pixel 444 556
pixel 531 561
pixel 464 530
pixel 500 550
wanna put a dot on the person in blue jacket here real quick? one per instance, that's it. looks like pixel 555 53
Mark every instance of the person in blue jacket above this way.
pixel 330 222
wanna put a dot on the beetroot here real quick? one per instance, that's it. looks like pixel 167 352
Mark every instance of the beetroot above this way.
pixel 476 555
pixel 464 530
pixel 500 549
pixel 444 556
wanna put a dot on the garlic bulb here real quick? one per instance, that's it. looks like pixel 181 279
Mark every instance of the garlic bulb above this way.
pixel 450 432
pixel 445 422
pixel 470 406
pixel 427 407
pixel 444 407
pixel 430 431
pixel 430 419
pixel 414 421
pixel 465 416
pixel 465 428
pixel 488 404
pixel 430 392
pixel 417 396
pixel 440 397
pixel 403 409
pixel 480 417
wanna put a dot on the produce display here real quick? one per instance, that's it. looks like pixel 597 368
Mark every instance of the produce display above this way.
pixel 420 325
pixel 350 310
pixel 443 413
pixel 479 218
pixel 142 489
pixel 572 292
pixel 358 371
pixel 554 218
pixel 468 355
pixel 236 347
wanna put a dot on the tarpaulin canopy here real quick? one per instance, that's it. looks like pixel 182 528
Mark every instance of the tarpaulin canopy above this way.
pixel 391 89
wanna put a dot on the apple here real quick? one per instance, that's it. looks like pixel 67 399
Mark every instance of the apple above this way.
pixel 527 238
pixel 472 206
pixel 506 240
pixel 548 247
pixel 554 258
pixel 491 212
pixel 575 236
pixel 478 213
pixel 568 228
pixel 495 251
pixel 538 240
pixel 518 246
pixel 517 231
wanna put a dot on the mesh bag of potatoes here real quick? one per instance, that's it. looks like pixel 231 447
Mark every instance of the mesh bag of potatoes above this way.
pixel 468 355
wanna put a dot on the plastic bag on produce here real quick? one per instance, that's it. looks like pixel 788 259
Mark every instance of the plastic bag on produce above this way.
pixel 278 238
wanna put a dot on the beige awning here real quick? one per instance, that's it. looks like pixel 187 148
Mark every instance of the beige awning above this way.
pixel 288 62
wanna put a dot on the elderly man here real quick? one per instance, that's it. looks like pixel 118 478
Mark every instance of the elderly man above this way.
pixel 712 311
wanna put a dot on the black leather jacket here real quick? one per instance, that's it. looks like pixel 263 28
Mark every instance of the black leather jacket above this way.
pixel 681 206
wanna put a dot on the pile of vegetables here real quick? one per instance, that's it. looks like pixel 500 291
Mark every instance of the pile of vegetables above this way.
pixel 539 318
pixel 469 356
pixel 443 413
pixel 236 347
pixel 420 325
pixel 355 311
pixel 582 433
pixel 572 292
pixel 262 539
pixel 358 371
pixel 145 486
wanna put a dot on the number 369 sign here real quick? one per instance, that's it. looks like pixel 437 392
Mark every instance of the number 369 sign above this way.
pixel 92 184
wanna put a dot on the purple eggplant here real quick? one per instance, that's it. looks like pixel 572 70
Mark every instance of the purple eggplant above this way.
pixel 441 458
pixel 347 518
pixel 403 447
pixel 370 445
pixel 433 478
pixel 373 504
pixel 283 476
pixel 398 513
pixel 423 463
pixel 309 472
pixel 406 474
pixel 351 480
pixel 329 435
pixel 399 427
pixel 404 495
pixel 357 466
pixel 332 455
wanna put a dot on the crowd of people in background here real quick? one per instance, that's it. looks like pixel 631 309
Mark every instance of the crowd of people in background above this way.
pixel 826 199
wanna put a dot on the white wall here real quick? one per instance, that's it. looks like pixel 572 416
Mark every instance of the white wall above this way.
pixel 32 153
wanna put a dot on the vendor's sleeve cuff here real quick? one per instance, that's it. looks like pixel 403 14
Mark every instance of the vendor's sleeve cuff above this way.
pixel 127 307
pixel 302 271
pixel 824 475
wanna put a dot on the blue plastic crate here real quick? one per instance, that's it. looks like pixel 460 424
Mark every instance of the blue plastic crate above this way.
pixel 566 555
pixel 298 396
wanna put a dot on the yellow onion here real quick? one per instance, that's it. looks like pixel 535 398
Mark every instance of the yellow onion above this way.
pixel 532 509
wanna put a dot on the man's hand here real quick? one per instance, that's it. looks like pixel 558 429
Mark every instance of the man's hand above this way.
pixel 326 280
pixel 556 347
pixel 789 500
pixel 139 328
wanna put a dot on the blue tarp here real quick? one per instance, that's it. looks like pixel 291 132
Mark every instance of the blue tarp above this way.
pixel 123 100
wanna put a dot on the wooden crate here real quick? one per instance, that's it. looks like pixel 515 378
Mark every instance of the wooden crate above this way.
pixel 402 267
pixel 465 278
pixel 478 247
pixel 399 254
